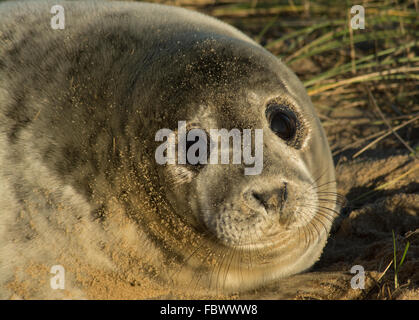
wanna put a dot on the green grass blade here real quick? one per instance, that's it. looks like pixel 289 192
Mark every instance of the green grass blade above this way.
pixel 404 254
pixel 347 67
pixel 395 261
pixel 395 252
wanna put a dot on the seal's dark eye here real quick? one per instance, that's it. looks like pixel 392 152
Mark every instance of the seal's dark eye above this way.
pixel 283 123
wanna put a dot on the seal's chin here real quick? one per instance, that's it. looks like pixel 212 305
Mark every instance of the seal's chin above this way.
pixel 245 228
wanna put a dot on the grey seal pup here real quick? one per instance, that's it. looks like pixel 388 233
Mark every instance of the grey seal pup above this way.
pixel 82 196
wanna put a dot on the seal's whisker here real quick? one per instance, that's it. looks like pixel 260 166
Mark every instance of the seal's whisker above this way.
pixel 331 201
pixel 315 225
pixel 315 187
pixel 186 260
pixel 337 194
pixel 193 279
pixel 239 264
pixel 224 267
pixel 325 215
pixel 312 224
pixel 218 270
pixel 329 212
pixel 319 177
pixel 331 193
pixel 309 231
pixel 339 202
pixel 319 221
pixel 332 211
pixel 222 252
pixel 233 255
pixel 334 194
pixel 306 237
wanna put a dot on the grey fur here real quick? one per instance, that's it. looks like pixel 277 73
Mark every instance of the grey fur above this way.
pixel 79 108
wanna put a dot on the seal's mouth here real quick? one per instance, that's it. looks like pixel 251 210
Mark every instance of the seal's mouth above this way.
pixel 246 228
pixel 267 243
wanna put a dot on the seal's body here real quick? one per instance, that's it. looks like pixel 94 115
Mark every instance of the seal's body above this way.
pixel 80 186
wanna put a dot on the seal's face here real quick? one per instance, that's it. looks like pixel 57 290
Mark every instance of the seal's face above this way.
pixel 284 212
pixel 251 211
pixel 254 211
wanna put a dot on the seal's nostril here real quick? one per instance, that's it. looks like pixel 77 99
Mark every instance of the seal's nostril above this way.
pixel 272 200
pixel 267 200
pixel 258 197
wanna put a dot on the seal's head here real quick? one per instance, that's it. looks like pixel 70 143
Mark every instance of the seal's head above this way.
pixel 269 221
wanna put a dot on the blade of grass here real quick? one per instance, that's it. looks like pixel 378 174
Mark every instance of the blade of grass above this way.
pixel 383 136
pixel 344 68
pixel 404 254
pixel 395 260
pixel 365 77
pixel 304 31
pixel 339 43
pixel 266 28
pixel 374 103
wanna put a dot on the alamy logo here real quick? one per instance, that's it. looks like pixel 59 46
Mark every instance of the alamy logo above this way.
pixel 192 147
pixel 58 20
pixel 358 20
pixel 358 280
pixel 58 280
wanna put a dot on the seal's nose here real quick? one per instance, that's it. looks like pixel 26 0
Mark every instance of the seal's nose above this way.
pixel 272 200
